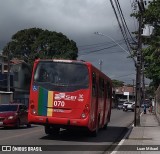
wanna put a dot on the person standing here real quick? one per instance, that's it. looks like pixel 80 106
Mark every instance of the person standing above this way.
pixel 144 109
pixel 150 108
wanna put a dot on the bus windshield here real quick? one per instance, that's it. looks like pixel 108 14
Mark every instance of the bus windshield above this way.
pixel 61 74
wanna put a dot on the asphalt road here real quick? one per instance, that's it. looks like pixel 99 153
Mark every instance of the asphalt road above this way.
pixel 67 141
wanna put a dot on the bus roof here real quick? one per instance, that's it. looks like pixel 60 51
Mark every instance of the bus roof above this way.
pixel 65 61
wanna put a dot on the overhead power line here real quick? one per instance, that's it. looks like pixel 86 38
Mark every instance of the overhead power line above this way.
pixel 119 23
pixel 125 75
pixel 124 21
pixel 93 46
pixel 122 24
pixel 97 50
pixel 97 44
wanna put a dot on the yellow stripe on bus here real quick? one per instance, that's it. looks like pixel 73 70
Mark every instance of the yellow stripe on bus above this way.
pixel 50 103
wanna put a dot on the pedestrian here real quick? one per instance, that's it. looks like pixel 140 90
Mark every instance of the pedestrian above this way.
pixel 150 108
pixel 144 109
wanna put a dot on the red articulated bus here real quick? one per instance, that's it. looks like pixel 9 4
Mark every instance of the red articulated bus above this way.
pixel 69 94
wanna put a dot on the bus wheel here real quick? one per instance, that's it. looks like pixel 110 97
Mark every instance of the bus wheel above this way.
pixel 105 125
pixel 51 130
pixel 95 132
pixel 28 125
pixel 47 130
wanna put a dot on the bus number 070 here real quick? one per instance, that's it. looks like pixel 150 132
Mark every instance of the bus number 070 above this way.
pixel 59 103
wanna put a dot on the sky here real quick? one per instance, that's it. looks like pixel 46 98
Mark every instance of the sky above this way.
pixel 78 20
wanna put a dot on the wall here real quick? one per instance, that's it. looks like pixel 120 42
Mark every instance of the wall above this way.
pixel 157 103
pixel 6 97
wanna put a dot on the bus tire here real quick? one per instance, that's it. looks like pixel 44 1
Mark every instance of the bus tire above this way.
pixel 108 120
pixel 49 130
pixel 28 125
pixel 95 132
pixel 105 125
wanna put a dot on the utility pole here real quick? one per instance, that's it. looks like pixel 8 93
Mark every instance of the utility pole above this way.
pixel 143 81
pixel 133 90
pixel 138 68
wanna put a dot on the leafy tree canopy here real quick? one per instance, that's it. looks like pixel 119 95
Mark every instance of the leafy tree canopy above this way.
pixel 29 44
pixel 151 53
pixel 117 83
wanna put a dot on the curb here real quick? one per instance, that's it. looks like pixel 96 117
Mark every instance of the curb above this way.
pixel 124 138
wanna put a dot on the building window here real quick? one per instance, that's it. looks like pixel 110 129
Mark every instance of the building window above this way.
pixel 5 68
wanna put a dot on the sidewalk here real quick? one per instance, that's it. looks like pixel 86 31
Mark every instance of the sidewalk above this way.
pixel 143 139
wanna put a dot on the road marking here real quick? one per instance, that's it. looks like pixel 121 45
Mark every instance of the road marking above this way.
pixel 20 135
pixel 122 141
pixel 124 138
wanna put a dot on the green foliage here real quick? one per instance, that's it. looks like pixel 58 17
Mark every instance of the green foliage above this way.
pixel 29 44
pixel 117 83
pixel 152 14
pixel 152 52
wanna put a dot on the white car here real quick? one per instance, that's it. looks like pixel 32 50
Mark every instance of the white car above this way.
pixel 128 106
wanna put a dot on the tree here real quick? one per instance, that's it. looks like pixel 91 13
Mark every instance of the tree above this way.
pixel 151 53
pixel 29 44
pixel 117 83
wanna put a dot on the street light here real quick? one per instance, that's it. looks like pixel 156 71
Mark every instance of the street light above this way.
pixel 97 33
pixel 100 64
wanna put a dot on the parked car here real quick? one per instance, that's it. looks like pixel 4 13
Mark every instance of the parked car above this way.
pixel 128 106
pixel 13 115
pixel 120 105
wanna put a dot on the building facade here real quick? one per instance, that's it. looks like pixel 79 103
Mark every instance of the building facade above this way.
pixel 20 76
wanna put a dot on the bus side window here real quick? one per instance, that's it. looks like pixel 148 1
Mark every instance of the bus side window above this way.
pixel 101 87
pixel 108 90
pixel 93 84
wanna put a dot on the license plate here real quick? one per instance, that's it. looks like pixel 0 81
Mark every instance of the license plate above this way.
pixel 58 110
pixel 1 123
